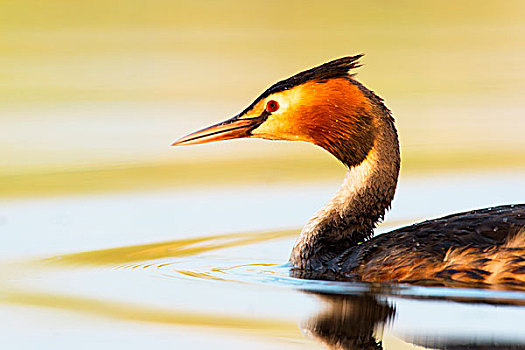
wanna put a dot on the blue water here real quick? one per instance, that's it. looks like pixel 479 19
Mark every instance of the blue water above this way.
pixel 201 269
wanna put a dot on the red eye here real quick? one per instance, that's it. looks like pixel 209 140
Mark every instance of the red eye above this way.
pixel 272 106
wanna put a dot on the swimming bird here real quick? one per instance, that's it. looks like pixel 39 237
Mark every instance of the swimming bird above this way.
pixel 328 107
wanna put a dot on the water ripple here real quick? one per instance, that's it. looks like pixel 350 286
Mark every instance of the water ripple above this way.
pixel 191 259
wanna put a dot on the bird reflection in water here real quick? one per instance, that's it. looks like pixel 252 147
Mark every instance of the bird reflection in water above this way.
pixel 349 321
pixel 358 322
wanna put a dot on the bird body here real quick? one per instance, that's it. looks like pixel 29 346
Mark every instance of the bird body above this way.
pixel 326 106
pixel 479 248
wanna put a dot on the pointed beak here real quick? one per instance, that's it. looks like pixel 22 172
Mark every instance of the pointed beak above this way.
pixel 233 128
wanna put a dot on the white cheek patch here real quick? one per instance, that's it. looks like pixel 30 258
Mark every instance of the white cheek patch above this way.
pixel 280 124
pixel 286 100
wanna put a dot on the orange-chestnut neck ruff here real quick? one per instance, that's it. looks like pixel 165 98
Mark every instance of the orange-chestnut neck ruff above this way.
pixel 338 117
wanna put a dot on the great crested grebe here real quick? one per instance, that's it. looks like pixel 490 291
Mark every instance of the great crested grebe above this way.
pixel 326 106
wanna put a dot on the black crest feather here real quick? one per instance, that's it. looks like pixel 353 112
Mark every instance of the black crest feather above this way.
pixel 338 68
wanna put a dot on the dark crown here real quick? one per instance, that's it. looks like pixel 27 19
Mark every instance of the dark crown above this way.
pixel 338 68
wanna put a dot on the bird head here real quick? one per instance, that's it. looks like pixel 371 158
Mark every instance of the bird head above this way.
pixel 323 105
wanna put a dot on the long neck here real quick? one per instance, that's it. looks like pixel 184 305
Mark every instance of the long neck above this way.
pixel 352 214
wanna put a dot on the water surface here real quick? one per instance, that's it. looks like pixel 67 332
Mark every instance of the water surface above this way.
pixel 201 269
